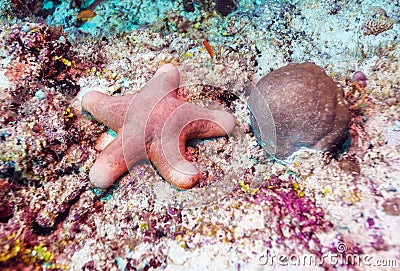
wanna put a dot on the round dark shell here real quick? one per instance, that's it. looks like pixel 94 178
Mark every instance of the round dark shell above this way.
pixel 297 106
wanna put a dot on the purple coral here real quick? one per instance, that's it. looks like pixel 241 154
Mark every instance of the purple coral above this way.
pixel 302 215
pixel 361 78
pixel 27 7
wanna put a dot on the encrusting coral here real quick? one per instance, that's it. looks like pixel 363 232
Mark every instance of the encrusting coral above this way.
pixel 41 53
pixel 41 138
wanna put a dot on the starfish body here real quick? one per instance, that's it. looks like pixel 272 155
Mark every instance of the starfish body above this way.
pixel 154 124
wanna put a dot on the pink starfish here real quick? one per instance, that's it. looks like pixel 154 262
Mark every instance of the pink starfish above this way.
pixel 155 124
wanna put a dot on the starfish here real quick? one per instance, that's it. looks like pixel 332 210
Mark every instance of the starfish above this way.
pixel 153 124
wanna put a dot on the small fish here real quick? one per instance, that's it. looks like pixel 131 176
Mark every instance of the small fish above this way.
pixel 209 49
pixel 86 14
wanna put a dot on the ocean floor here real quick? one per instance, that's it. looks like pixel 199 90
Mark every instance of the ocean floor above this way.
pixel 314 211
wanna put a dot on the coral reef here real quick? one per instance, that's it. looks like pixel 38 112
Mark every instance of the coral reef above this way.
pixel 41 53
pixel 6 207
pixel 35 113
pixel 41 137
pixel 314 205
pixel 26 8
pixel 297 106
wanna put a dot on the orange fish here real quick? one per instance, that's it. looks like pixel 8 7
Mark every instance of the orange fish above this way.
pixel 86 14
pixel 209 49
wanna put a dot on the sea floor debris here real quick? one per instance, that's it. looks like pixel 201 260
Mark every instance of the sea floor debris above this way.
pixel 276 214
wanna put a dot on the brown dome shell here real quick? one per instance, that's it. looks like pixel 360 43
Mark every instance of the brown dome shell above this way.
pixel 297 106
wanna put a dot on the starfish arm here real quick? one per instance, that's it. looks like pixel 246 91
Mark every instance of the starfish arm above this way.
pixel 210 123
pixel 112 163
pixel 173 167
pixel 164 81
pixel 106 109
pixel 169 68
